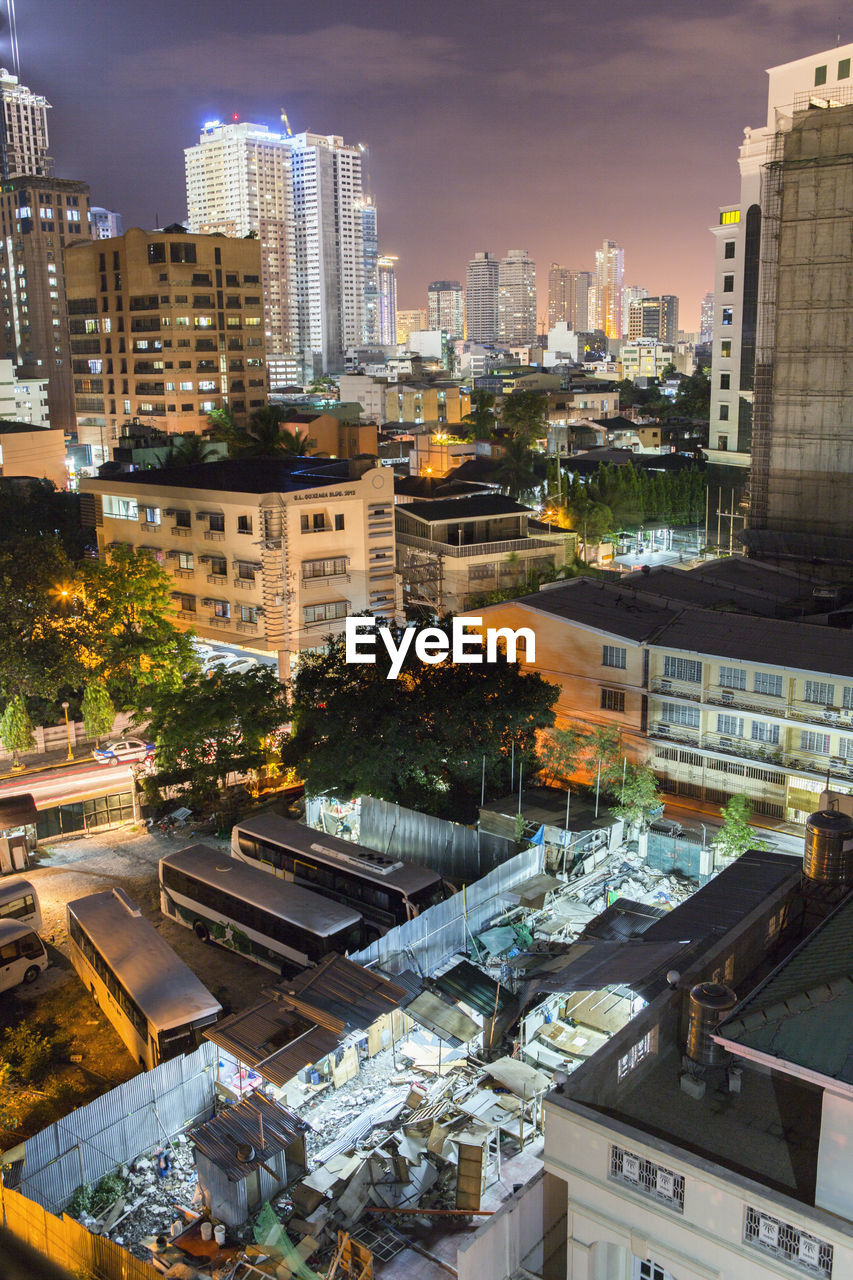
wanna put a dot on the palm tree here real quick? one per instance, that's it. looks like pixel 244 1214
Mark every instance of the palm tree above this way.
pixel 515 472
pixel 481 419
pixel 263 437
pixel 185 451
pixel 524 415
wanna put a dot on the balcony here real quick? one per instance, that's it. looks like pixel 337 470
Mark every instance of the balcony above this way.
pixel 151 525
pixel 181 531
pixel 219 623
pixel 676 689
pixel 505 547
pixel 184 573
pixel 246 584
pixel 248 628
pixel 214 535
pixel 329 577
pixel 188 615
pixel 218 579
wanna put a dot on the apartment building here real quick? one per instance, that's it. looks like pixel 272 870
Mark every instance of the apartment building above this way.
pixel 422 402
pixel 720 703
pixel 481 298
pixel 165 327
pixel 23 130
pixel 268 554
pixel 445 307
pixel 646 358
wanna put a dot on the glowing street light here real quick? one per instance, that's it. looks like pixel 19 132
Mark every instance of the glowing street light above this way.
pixel 70 755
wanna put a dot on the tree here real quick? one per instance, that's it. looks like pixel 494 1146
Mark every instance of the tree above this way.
pixel 559 752
pixel 36 659
pixel 571 750
pixel 16 730
pixel 263 436
pixel 524 415
pixel 293 445
pixel 481 420
pixel 98 710
pixel 736 835
pixel 185 451
pixel 639 795
pixel 213 725
pixel 515 471
pixel 593 518
pixel 419 740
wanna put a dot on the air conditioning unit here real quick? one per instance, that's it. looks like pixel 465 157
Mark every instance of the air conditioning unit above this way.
pixel 171 555
pixel 839 760
pixel 207 601
pixel 204 559
pixel 662 730
pixel 830 714
pixel 665 686
pixel 727 697
pixel 169 511
pixel 726 742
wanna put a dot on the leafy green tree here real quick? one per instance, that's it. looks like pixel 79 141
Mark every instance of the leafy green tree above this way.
pixel 481 420
pixel 36 659
pixel 418 740
pixel 16 730
pixel 572 750
pixel 39 512
pixel 185 451
pixel 223 424
pixel 559 752
pixel 736 835
pixel 264 436
pixel 98 710
pixel 515 471
pixel 524 416
pixel 213 725
pixel 639 795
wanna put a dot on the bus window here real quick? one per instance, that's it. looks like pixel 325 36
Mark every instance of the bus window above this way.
pixel 18 908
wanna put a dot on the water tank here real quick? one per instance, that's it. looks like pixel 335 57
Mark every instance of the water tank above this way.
pixel 828 856
pixel 709 1004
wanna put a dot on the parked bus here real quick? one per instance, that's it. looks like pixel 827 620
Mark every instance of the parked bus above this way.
pixel 280 925
pixel 19 901
pixel 154 1001
pixel 22 954
pixel 386 891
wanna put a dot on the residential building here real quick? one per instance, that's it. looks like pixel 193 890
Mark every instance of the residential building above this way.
pixel 22 400
pixel 239 184
pixel 37 451
pixel 581 283
pixel 39 218
pixel 105 223
pixel 445 309
pixel 630 294
pixel 706 321
pixel 517 298
pixel 559 295
pixel 387 283
pixel 167 327
pixel 654 318
pixel 607 286
pixel 268 554
pixel 284 371
pixel 367 391
pixel 370 256
pixel 441 403
pixel 413 321
pixel 582 398
pixel 330 435
pixel 451 551
pixel 23 140
pixel 481 298
pixel 719 702
pixel 646 359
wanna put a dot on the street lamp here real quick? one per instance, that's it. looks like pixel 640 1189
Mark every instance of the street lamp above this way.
pixel 70 755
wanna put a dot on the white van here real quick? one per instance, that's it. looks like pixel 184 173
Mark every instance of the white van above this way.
pixel 22 954
pixel 19 901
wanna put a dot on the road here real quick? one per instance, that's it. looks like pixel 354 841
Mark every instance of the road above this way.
pixel 74 780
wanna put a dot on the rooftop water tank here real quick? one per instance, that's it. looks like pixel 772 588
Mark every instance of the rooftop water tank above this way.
pixel 710 1002
pixel 828 855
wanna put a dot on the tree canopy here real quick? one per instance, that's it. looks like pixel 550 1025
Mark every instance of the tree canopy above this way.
pixel 736 835
pixel 524 415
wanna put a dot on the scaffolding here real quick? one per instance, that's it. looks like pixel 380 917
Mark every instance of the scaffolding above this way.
pixel 765 342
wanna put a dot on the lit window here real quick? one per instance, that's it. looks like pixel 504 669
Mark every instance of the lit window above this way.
pixel 728 315
pixel 726 349
pixel 729 217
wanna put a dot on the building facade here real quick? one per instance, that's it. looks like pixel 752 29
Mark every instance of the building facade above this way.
pixel 370 253
pixel 387 283
pixel 22 400
pixel 423 402
pixel 165 327
pixel 265 554
pixel 481 298
pixel 105 223
pixel 412 321
pixel 517 298
pixel 24 142
pixel 706 318
pixel 645 359
pixel 445 308
pixel 654 318
pixel 607 289
pixel 568 297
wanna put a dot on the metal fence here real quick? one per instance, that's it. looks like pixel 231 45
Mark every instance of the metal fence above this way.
pixel 423 943
pixel 677 854
pixel 117 1127
pixel 461 853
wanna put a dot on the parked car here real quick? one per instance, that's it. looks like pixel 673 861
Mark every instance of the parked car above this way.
pixel 237 662
pixel 204 652
pixel 124 751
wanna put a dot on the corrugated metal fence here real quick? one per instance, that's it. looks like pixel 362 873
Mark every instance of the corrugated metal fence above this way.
pixel 68 1244
pixel 422 943
pixel 670 853
pixel 458 852
pixel 117 1127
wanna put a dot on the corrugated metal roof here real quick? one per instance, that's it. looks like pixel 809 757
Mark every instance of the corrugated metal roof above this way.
pixel 341 994
pixel 244 1125
pixel 247 1036
pixel 624 918
pixel 725 900
pixel 444 1020
pixel 467 984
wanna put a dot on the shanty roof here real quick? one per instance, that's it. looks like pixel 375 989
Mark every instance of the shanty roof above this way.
pixel 469 985
pixel 242 1126
pixel 342 995
pixel 17 811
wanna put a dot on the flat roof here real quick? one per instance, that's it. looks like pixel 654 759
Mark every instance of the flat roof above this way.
pixel 290 902
pixel 471 507
pixel 594 603
pixel 239 475
pixel 736 595
pixel 166 990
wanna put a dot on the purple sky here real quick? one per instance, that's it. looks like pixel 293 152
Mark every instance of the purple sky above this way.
pixel 496 125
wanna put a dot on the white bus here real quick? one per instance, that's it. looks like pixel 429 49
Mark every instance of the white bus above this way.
pixel 280 925
pixel 19 901
pixel 22 954
pixel 154 1001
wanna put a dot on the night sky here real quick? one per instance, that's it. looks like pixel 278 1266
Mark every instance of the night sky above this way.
pixel 547 126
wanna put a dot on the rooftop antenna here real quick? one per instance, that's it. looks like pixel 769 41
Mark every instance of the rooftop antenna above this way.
pixel 13 39
pixel 288 132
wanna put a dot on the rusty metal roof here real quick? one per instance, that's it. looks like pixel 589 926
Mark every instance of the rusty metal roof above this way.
pixel 257 1122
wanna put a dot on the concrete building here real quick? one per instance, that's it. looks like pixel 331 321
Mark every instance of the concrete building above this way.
pixel 238 183
pixel 706 320
pixel 481 298
pixel 413 321
pixel 105 223
pixel 517 298
pixel 607 286
pixel 630 294
pixel 165 326
pixel 22 400
pixel 27 450
pixel 370 253
pixel 368 392
pixel 646 359
pixel 445 307
pixel 268 554
pixel 719 702
pixel 654 318
pixel 387 283
pixel 441 403
pixel 568 297
pixel 23 140
pixel 39 218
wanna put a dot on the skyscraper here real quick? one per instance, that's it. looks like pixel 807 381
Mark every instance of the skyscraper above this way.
pixel 481 298
pixel 609 273
pixel 444 307
pixel 238 183
pixel 630 294
pixel 706 320
pixel 370 253
pixel 413 321
pixel 387 276
pixel 654 318
pixel 559 294
pixel 105 223
pixel 24 142
pixel 517 298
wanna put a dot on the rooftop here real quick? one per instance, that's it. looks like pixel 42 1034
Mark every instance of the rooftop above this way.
pixel 592 602
pixel 471 507
pixel 766 592
pixel 240 475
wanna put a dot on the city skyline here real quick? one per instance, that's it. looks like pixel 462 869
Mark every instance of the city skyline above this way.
pixel 559 66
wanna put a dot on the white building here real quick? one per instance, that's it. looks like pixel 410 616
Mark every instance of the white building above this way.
pixel 387 277
pixel 630 293
pixel 517 298
pixel 22 401
pixel 738 250
pixel 105 223
pixel 445 307
pixel 607 289
pixel 370 251
pixel 646 358
pixel 24 141
pixel 369 392
pixel 481 298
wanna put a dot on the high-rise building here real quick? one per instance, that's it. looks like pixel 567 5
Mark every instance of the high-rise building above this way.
pixel 630 294
pixel 445 308
pixel 165 327
pixel 328 253
pixel 559 294
pixel 517 298
pixel 410 322
pixel 387 277
pixel 105 224
pixel 238 183
pixel 23 140
pixel 654 318
pixel 40 217
pixel 609 274
pixel 706 321
pixel 370 254
pixel 481 298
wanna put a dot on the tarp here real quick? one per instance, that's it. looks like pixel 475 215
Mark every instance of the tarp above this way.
pixel 522 1080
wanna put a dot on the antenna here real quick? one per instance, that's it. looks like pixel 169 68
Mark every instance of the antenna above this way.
pixel 288 132
pixel 13 39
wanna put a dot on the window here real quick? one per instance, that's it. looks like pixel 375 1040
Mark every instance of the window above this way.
pixel 186 603
pixel 723 412
pixel 325 612
pixel 816 743
pixel 847 700
pixel 844 69
pixel 339 522
pixel 845 748
pixel 652 1179
pixel 729 249
pixel 218 566
pixel 787 1243
pixel 729 217
pixel 820 75
pixel 613 656
pixel 185 386
pixel 727 315
pixel 216 524
pixel 733 677
pixel 182 519
pixel 221 609
pixel 324 568
pixel 731 726
pixel 765 682
pixel 820 692
pixel 725 381
pixel 182 252
pixel 728 284
pixel 674 713
pixel 682 669
pixel 636 1054
pixel 120 508
pixel 185 560
pixel 764 732
pixel 725 349
pixel 612 700
pixel 249 613
pixel 244 524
